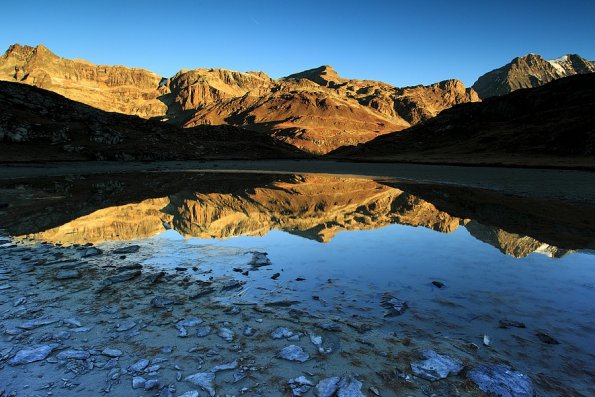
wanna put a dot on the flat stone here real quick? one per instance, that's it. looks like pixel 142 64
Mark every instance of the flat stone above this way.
pixel 151 384
pixel 67 274
pixel 127 250
pixel 191 393
pixel 436 366
pixel 128 325
pixel 111 352
pixel 502 381
pixel 73 355
pixel 293 353
pixel 203 331
pixel 327 387
pixel 332 327
pixel 31 324
pixel 300 385
pixel 139 365
pixel 191 322
pixel 394 306
pixel 93 251
pixel 26 356
pixel 204 380
pixel 160 302
pixel 248 331
pixel 225 367
pixel 281 333
pixel 72 322
pixel 350 387
pixel 226 334
pixel 138 382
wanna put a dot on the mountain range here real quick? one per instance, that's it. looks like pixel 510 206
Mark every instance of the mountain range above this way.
pixel 315 111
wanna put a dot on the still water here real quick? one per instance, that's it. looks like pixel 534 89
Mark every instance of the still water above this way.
pixel 463 260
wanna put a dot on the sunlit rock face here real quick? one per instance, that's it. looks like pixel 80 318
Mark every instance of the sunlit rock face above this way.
pixel 316 110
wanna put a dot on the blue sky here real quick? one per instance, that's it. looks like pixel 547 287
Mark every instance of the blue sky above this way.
pixel 400 42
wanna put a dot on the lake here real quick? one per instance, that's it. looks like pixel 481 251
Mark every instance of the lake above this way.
pixel 383 269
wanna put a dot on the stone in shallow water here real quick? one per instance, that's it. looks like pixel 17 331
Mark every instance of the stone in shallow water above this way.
pixel 67 274
pixel 248 330
pixel 501 381
pixel 203 331
pixel 91 252
pixel 128 325
pixel 259 259
pixel 203 380
pixel 394 306
pixel 226 334
pixel 293 353
pixel 191 393
pixel 224 367
pixel 31 324
pixel 350 387
pixel 73 355
pixel 300 385
pixel 436 366
pixel 26 356
pixel 139 365
pixel 327 387
pixel 111 352
pixel 127 250
pixel 138 382
pixel 191 322
pixel 281 333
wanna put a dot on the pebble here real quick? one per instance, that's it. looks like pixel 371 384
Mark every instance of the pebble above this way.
pixel 72 322
pixel 191 393
pixel 151 384
pixel 436 366
pixel 125 326
pixel 394 306
pixel 31 324
pixel 293 353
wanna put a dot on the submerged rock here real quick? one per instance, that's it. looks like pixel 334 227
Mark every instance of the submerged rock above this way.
pixel 502 381
pixel 67 274
pixel 203 331
pixel 111 352
pixel 31 324
pixel 126 326
pixel 161 302
pixel 226 334
pixel 394 306
pixel 191 393
pixel 204 380
pixel 510 323
pixel 350 387
pixel 327 387
pixel 281 333
pixel 248 331
pixel 26 356
pixel 259 259
pixel 73 355
pixel 545 338
pixel 191 322
pixel 127 250
pixel 225 367
pixel 138 382
pixel 436 366
pixel 139 365
pixel 300 385
pixel 293 353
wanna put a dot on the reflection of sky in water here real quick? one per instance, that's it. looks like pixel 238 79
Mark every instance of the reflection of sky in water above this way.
pixel 482 284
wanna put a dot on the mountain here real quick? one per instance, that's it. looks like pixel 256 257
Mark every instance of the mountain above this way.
pixel 551 125
pixel 530 71
pixel 315 110
pixel 39 125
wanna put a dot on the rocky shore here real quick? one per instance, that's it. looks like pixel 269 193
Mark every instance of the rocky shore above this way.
pixel 97 320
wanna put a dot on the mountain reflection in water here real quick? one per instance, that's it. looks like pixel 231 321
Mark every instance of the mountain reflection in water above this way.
pixel 221 205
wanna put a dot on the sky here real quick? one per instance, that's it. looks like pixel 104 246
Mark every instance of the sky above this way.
pixel 400 42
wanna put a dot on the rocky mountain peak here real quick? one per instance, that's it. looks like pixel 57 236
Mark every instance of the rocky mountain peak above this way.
pixel 530 71
pixel 323 75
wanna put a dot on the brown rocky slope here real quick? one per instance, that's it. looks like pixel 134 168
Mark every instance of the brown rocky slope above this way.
pixel 315 110
pixel 530 71
pixel 552 125
pixel 39 125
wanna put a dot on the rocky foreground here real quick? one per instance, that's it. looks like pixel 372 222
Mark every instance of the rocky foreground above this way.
pixel 86 320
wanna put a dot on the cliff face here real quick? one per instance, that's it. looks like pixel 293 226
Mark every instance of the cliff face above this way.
pixel 315 110
pixel 110 88
pixel 530 71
